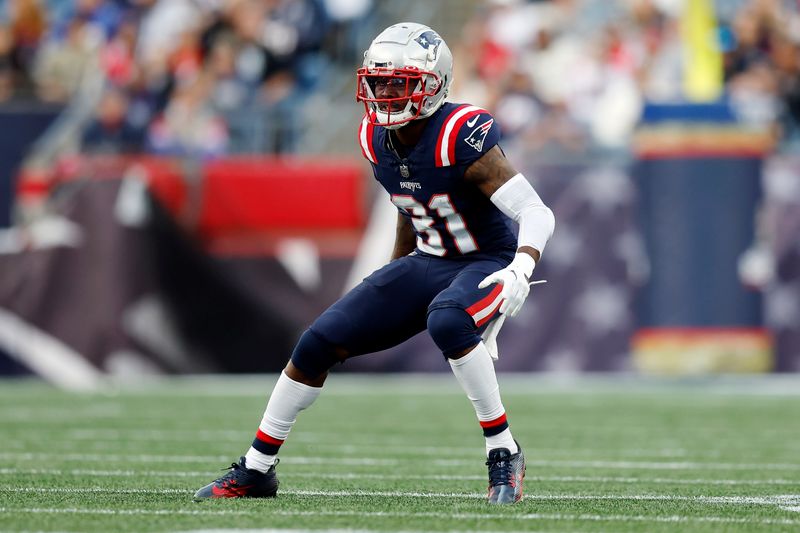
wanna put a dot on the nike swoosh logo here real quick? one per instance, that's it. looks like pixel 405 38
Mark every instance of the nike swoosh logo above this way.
pixel 472 122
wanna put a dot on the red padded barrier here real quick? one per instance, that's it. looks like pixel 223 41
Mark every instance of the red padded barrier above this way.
pixel 254 194
pixel 238 205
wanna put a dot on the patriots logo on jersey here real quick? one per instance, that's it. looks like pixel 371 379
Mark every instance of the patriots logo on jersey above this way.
pixel 478 135
pixel 428 40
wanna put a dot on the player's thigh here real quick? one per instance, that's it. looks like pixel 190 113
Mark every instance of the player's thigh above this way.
pixel 385 309
pixel 481 304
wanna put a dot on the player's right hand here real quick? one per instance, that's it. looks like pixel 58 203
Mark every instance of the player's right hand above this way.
pixel 514 279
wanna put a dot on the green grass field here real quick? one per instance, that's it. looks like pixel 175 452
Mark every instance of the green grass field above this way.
pixel 406 454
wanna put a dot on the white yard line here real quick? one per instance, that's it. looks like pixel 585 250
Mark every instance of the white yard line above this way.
pixel 49 413
pixel 667 465
pixel 781 500
pixel 378 461
pixel 111 439
pixel 410 514
pixel 330 440
pixel 155 458
pixel 333 441
pixel 430 477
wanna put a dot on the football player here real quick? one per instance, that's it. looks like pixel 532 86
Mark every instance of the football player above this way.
pixel 456 268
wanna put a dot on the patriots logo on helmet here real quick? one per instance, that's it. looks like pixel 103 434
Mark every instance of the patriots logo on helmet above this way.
pixel 478 135
pixel 429 39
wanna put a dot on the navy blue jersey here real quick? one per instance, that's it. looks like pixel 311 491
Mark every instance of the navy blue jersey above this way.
pixel 450 216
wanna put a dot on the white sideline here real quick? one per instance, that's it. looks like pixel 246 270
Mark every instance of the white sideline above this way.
pixel 376 461
pixel 409 514
pixel 430 477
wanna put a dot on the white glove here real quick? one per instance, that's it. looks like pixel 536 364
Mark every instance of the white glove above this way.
pixel 514 279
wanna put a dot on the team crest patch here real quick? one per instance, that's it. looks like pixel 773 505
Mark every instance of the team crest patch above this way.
pixel 478 135
pixel 428 40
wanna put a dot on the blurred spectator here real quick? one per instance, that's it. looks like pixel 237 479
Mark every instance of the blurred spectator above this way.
pixel 590 65
pixel 558 132
pixel 519 108
pixel 111 130
pixel 237 73
pixel 564 73
pixel 234 49
pixel 257 60
pixel 349 28
pixel 60 66
pixel 786 56
pixel 103 16
pixel 162 24
pixel 117 57
pixel 6 64
pixel 265 56
pixel 189 126
pixel 294 31
pixel 186 59
pixel 28 24
pixel 661 72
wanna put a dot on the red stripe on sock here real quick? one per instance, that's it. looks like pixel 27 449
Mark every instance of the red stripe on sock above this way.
pixel 492 423
pixel 263 437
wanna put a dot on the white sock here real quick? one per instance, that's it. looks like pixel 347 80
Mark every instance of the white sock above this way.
pixel 475 373
pixel 502 440
pixel 288 398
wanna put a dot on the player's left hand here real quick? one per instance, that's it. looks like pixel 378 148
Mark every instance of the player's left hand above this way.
pixel 514 279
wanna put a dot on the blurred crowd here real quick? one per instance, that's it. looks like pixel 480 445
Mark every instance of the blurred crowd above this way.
pixel 181 76
pixel 563 75
pixel 210 77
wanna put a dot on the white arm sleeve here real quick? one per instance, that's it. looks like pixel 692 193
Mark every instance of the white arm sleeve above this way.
pixel 517 199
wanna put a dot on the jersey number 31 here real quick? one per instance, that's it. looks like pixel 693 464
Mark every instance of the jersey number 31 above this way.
pixel 439 209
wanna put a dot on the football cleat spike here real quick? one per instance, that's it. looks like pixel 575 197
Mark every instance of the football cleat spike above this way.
pixel 241 482
pixel 506 472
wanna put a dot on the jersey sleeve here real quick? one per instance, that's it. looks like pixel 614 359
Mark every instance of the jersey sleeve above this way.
pixel 466 134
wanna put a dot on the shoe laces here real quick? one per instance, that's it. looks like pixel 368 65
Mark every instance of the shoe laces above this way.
pixel 236 468
pixel 230 472
pixel 501 472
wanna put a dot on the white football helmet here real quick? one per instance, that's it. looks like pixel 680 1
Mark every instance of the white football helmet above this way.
pixel 407 72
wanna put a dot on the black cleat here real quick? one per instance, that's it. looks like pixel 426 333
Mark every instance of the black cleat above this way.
pixel 506 473
pixel 241 482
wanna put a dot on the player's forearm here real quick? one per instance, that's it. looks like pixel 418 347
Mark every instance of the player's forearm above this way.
pixel 405 240
pixel 403 246
pixel 531 251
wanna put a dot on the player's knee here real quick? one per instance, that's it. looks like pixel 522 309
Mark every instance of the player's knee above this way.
pixel 452 329
pixel 313 355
